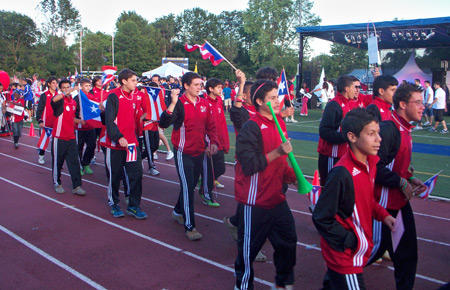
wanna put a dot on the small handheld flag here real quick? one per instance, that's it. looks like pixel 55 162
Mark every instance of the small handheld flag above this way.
pixel 108 74
pixel 315 192
pixel 89 110
pixel 430 184
pixel 282 86
pixel 155 105
pixel 208 52
pixel 45 138
pixel 131 152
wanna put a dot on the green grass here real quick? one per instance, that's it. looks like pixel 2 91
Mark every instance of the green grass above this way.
pixel 425 165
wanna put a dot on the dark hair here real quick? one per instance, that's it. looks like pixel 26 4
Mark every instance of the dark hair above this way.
pixel 85 81
pixel 247 87
pixel 153 84
pixel 428 82
pixel 383 82
pixel 325 85
pixel 125 74
pixel 211 84
pixel 267 73
pixel 260 88
pixel 156 75
pixel 63 81
pixel 344 82
pixel 188 77
pixel 437 83
pixel 95 79
pixel 417 80
pixel 1 85
pixel 356 120
pixel 49 80
pixel 404 93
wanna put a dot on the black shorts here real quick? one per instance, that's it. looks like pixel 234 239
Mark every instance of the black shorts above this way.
pixel 287 103
pixel 438 114
pixel 28 105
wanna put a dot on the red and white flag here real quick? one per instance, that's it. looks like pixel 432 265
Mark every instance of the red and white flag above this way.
pixel 207 51
pixel 131 152
pixel 155 105
pixel 108 74
pixel 430 184
pixel 45 138
pixel 314 194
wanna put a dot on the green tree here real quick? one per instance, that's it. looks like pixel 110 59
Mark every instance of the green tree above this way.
pixel 18 37
pixel 344 59
pixel 168 28
pixel 97 50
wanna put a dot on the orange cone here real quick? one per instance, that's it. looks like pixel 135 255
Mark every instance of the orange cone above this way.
pixel 316 178
pixel 31 130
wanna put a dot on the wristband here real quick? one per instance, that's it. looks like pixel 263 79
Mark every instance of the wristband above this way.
pixel 403 183
pixel 168 112
pixel 411 178
pixel 239 101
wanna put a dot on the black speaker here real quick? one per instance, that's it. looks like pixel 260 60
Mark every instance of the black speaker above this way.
pixel 439 76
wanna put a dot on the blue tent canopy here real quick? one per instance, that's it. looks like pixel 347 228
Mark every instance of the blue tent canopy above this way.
pixel 416 33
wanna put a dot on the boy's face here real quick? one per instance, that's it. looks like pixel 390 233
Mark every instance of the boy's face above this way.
pixel 16 96
pixel 217 90
pixel 65 87
pixel 368 142
pixel 194 88
pixel 53 85
pixel 272 97
pixel 414 107
pixel 86 87
pixel 388 94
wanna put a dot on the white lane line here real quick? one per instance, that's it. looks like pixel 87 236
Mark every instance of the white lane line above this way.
pixel 307 246
pixel 125 229
pixel 432 216
pixel 52 259
pixel 434 242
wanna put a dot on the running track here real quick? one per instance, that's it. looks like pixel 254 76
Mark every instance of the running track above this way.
pixel 52 241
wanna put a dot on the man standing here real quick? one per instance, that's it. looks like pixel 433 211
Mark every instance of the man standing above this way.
pixel 193 120
pixel 44 112
pixel 28 96
pixel 395 184
pixel 383 90
pixel 122 151
pixel 64 146
pixel 428 101
pixel 419 124
pixel 439 106
pixel 332 145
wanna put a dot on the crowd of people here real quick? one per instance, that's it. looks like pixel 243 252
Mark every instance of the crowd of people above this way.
pixel 363 189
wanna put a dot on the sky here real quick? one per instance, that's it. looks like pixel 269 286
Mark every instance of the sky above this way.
pixel 101 15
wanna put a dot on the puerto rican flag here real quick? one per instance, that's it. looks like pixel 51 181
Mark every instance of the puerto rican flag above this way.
pixel 207 51
pixel 46 134
pixel 89 110
pixel 108 74
pixel 282 87
pixel 314 194
pixel 155 106
pixel 131 152
pixel 430 184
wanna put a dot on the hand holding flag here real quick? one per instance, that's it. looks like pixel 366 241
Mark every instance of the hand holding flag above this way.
pixel 430 184
pixel 283 88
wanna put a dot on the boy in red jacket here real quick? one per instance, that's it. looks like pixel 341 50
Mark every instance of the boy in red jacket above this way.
pixel 343 214
pixel 261 171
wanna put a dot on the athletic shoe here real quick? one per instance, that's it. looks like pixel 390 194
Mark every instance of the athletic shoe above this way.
pixel 59 189
pixel 178 218
pixel 93 161
pixel 427 124
pixel 210 202
pixel 444 131
pixel 169 155
pixel 153 171
pixel 155 156
pixel 193 235
pixel 433 130
pixel 81 172
pixel 231 228
pixel 294 121
pixel 136 212
pixel 287 120
pixel 260 257
pixel 116 211
pixel 16 145
pixel 78 191
pixel 218 184
pixel 41 159
pixel 88 170
pixel 417 128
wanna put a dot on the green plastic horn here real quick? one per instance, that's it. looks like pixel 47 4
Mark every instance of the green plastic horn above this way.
pixel 303 185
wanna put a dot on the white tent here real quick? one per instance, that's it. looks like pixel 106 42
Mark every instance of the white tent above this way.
pixel 167 69
pixel 411 71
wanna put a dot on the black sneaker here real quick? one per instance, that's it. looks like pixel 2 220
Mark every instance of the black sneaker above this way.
pixel 136 212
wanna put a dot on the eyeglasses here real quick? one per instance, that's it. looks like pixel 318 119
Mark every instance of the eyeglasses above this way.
pixel 417 102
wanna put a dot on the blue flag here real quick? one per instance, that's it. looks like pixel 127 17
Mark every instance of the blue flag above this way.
pixel 88 109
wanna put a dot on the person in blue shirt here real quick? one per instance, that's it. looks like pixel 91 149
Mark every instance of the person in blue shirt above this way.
pixel 28 96
pixel 227 96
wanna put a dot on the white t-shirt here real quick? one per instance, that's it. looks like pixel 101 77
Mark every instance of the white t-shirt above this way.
pixel 428 99
pixel 324 96
pixel 440 96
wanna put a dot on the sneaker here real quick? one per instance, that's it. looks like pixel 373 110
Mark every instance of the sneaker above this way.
pixel 41 159
pixel 427 124
pixel 59 189
pixel 88 170
pixel 210 202
pixel 193 235
pixel 178 217
pixel 153 171
pixel 81 172
pixel 417 128
pixel 78 191
pixel 136 212
pixel 169 155
pixel 218 184
pixel 260 257
pixel 93 161
pixel 231 228
pixel 155 156
pixel 294 121
pixel 16 145
pixel 433 130
pixel 116 211
pixel 444 131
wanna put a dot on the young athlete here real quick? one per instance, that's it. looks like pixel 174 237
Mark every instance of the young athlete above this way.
pixel 17 120
pixel 343 214
pixel 383 91
pixel 261 171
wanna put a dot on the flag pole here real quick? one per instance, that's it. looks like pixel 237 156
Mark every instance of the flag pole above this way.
pixel 222 56
pixel 81 51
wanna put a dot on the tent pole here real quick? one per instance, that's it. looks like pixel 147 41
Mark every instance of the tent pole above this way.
pixel 300 67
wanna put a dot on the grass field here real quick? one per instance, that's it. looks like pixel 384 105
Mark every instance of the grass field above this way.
pixel 425 165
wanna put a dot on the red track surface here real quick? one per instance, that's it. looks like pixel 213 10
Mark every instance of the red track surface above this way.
pixel 93 249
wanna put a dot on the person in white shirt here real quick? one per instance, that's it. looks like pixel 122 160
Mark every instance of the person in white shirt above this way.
pixel 439 106
pixel 428 100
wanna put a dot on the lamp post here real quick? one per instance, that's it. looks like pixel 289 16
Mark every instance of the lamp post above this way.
pixel 113 49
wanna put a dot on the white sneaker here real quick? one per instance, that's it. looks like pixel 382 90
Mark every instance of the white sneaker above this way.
pixel 417 128
pixel 41 159
pixel 155 156
pixel 427 124
pixel 294 121
pixel 153 171
pixel 169 155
